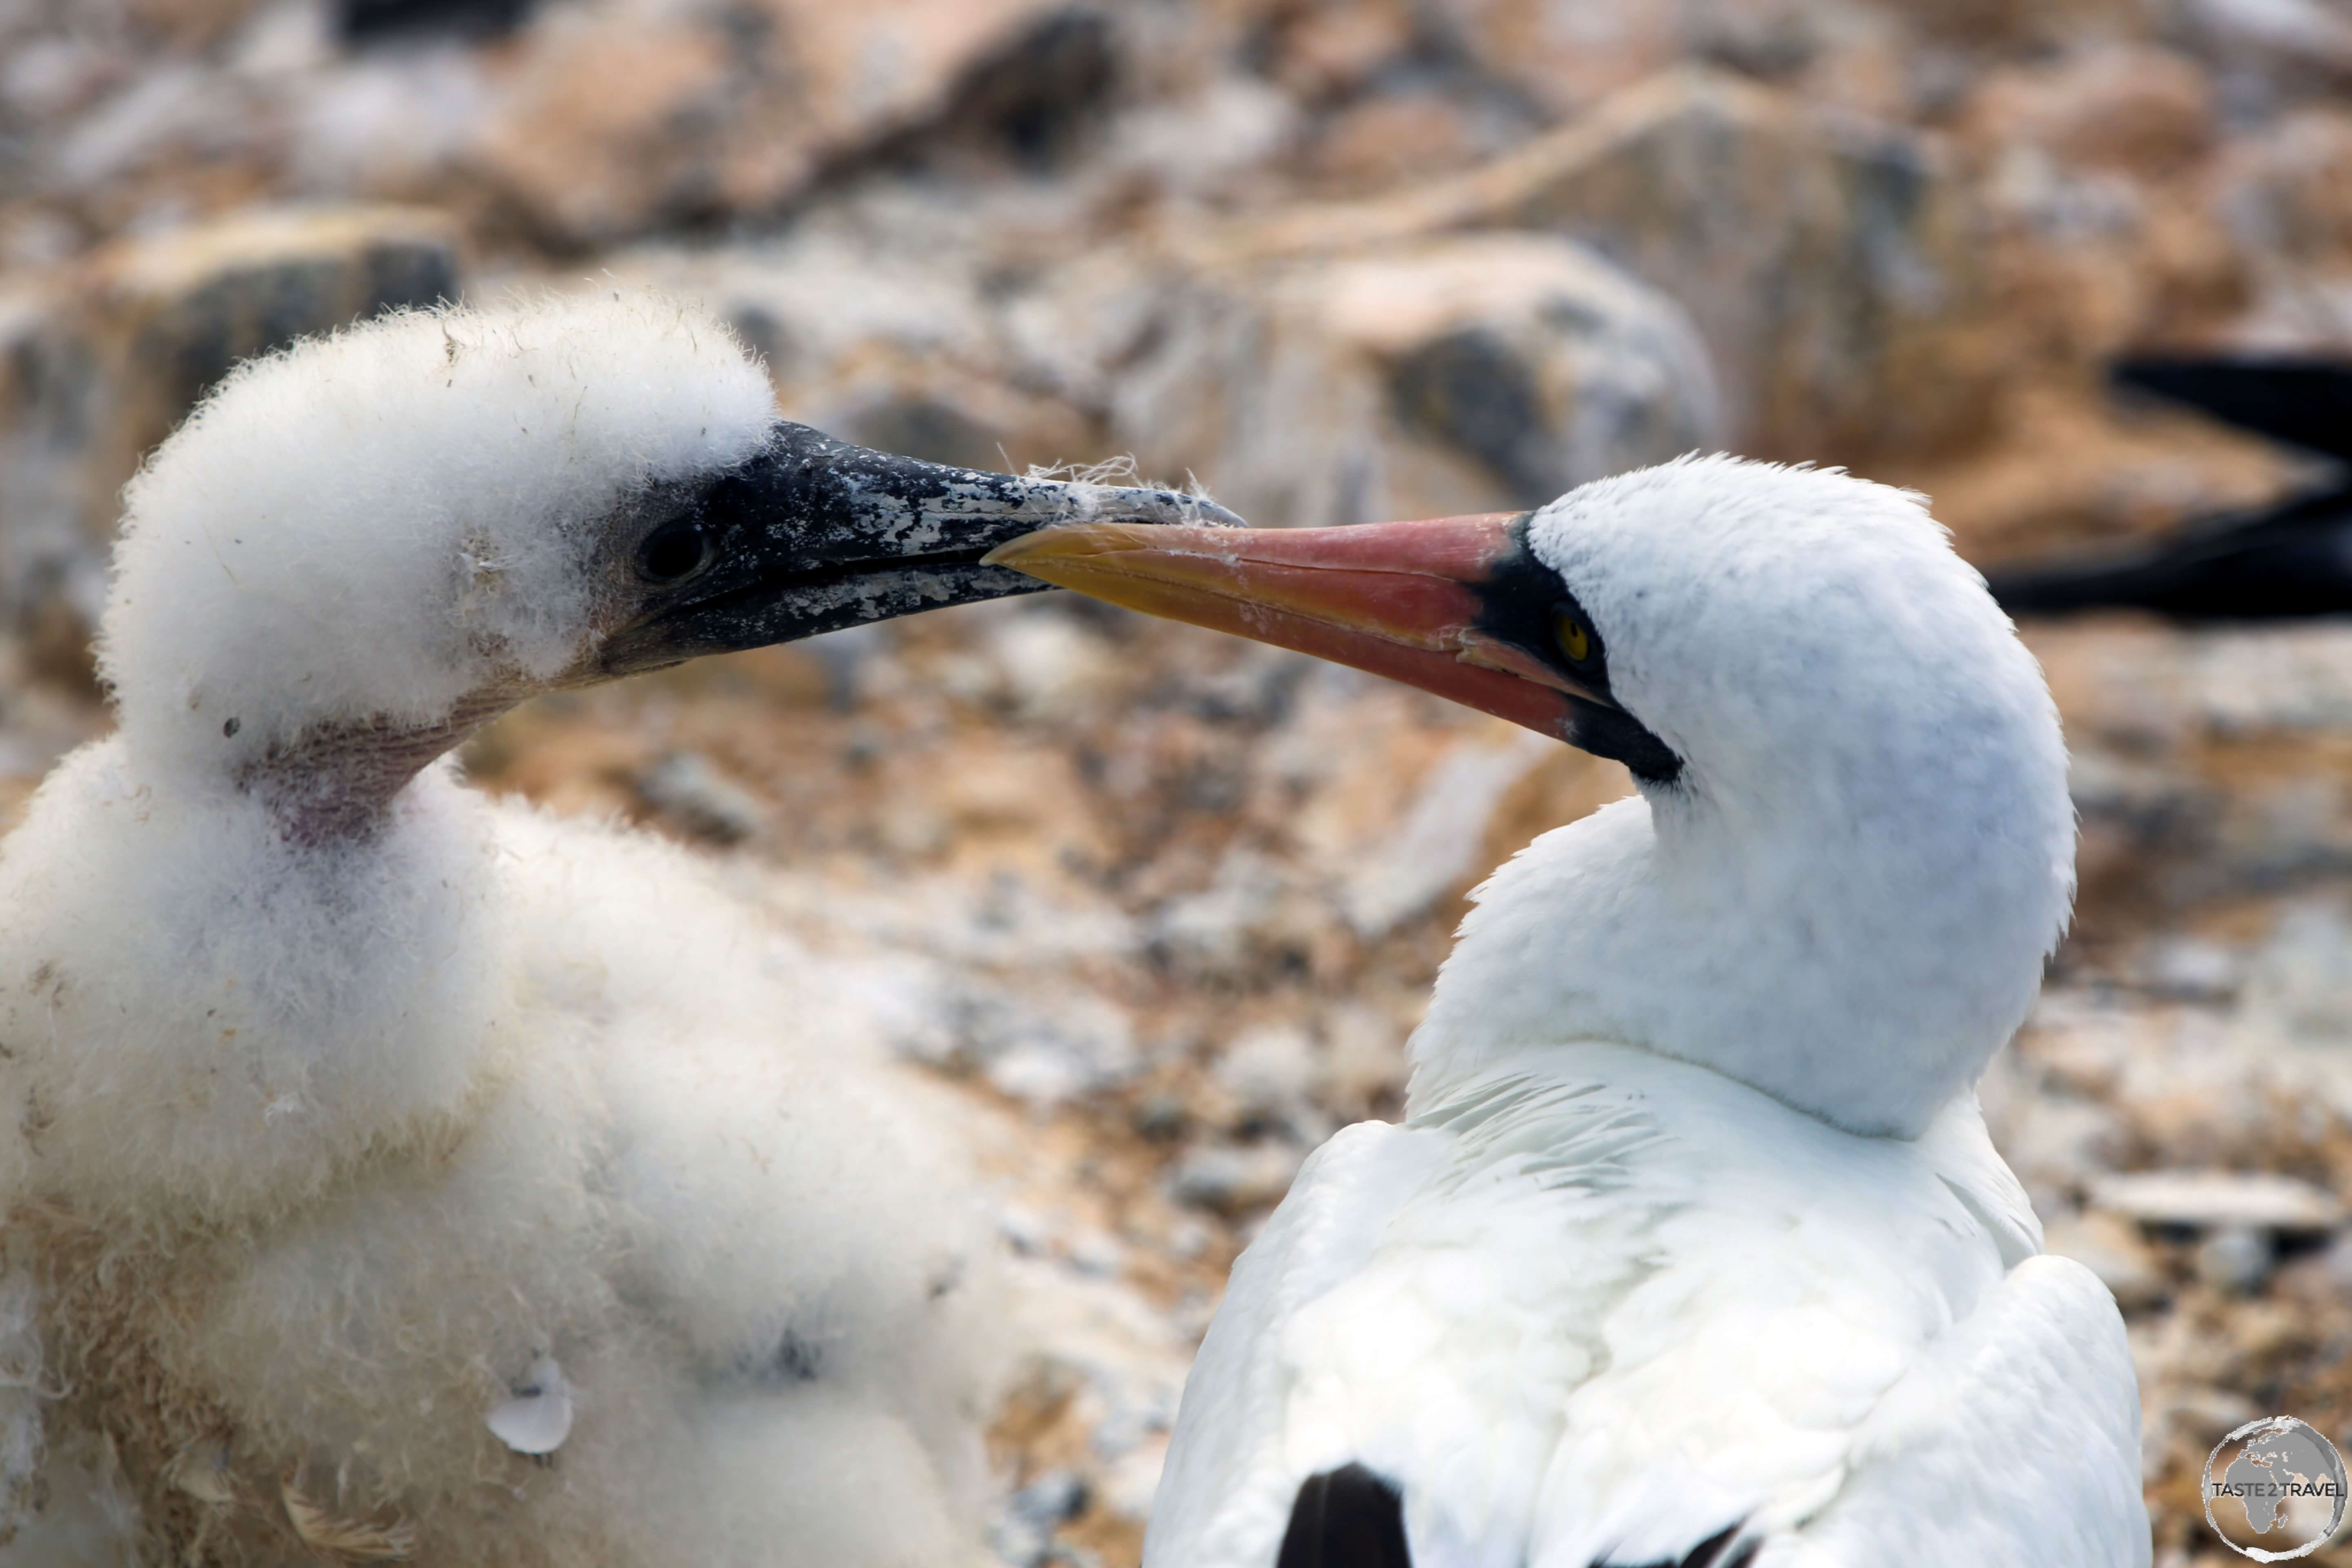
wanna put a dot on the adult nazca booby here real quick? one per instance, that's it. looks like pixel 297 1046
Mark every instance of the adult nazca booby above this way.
pixel 1692 1249
pixel 391 1173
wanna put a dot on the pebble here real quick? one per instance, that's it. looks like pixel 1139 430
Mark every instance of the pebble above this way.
pixel 688 787
pixel 1225 1179
pixel 2218 1200
pixel 2237 1259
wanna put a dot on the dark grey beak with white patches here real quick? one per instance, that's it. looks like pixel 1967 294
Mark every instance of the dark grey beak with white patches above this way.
pixel 812 534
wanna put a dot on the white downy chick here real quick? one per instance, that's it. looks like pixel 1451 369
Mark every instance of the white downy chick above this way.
pixel 393 1172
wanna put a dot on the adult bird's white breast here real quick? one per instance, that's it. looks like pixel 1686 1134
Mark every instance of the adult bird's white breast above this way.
pixel 1692 1251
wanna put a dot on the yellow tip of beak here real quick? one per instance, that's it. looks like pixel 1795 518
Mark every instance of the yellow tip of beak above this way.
pixel 1042 552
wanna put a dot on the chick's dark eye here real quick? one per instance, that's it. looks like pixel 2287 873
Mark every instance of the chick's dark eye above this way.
pixel 676 550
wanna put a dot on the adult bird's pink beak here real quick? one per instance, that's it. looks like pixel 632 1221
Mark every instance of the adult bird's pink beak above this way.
pixel 1398 599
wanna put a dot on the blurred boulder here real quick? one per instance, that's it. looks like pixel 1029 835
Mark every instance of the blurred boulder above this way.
pixel 2287 196
pixel 95 371
pixel 1437 848
pixel 1449 374
pixel 2204 1200
pixel 2130 107
pixel 1567 54
pixel 881 336
pixel 1831 263
pixel 1230 1178
pixel 688 787
pixel 1834 266
pixel 624 118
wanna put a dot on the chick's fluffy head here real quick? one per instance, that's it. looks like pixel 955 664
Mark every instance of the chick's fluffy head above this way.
pixel 368 527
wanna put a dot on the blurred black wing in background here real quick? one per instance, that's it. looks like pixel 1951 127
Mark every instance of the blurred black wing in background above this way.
pixel 2288 560
pixel 2304 402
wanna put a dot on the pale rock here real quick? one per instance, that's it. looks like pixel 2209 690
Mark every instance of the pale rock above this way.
pixel 1227 1178
pixel 2295 680
pixel 1386 137
pixel 1194 145
pixel 2268 50
pixel 1444 374
pixel 172 109
pixel 2078 1047
pixel 2133 107
pixel 624 118
pixel 1046 1048
pixel 688 787
pixel 2191 969
pixel 2237 1259
pixel 1115 1362
pixel 390 123
pixel 877 325
pixel 1834 264
pixel 1022 1533
pixel 1252 911
pixel 1436 850
pixel 2299 989
pixel 2057 1144
pixel 1041 1043
pixel 1327 50
pixel 2286 192
pixel 1567 54
pixel 1364 1057
pixel 1004 923
pixel 1131 1482
pixel 97 371
pixel 2193 1416
pixel 1053 664
pixel 1273 1072
pixel 2214 1200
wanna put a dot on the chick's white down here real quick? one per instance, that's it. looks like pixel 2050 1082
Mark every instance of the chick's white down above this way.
pixel 325 1144
pixel 1692 1248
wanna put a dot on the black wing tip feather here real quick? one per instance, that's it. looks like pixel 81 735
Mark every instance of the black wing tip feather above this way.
pixel 1347 1518
pixel 1724 1549
pixel 1351 1518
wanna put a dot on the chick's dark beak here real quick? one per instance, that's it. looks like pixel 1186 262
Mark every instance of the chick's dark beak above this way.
pixel 812 534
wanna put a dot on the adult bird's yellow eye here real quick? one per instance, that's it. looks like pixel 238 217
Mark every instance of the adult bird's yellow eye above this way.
pixel 1575 639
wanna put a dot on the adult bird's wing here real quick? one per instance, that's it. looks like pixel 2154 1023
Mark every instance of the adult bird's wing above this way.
pixel 2015 1441
pixel 1225 1499
pixel 1650 1320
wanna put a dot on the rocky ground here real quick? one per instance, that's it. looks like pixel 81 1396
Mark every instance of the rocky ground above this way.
pixel 1162 906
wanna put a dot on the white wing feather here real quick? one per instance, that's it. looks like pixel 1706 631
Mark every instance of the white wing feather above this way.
pixel 1599 1316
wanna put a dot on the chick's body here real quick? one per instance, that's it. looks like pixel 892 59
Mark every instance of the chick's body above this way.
pixel 619 1154
pixel 391 1172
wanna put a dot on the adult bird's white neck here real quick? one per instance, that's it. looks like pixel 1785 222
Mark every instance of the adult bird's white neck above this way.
pixel 1846 897
pixel 1854 846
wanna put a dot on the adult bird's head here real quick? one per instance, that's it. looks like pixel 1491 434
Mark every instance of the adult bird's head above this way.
pixel 356 550
pixel 1855 845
